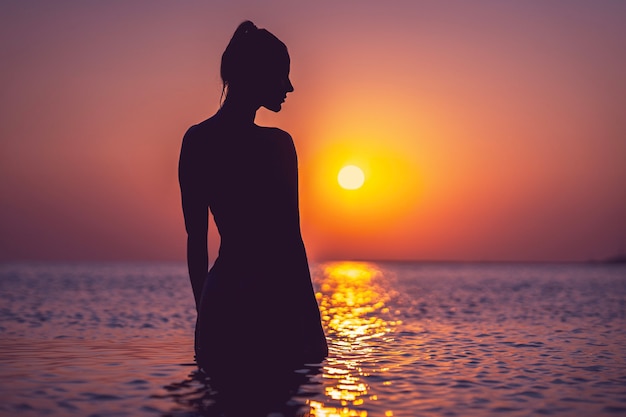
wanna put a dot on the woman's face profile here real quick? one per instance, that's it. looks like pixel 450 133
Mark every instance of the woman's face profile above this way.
pixel 274 89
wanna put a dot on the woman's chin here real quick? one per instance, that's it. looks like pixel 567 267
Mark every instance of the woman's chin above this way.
pixel 275 107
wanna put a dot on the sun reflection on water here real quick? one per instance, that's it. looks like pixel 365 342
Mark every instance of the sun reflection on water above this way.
pixel 357 323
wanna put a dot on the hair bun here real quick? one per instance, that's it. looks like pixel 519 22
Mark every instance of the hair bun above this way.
pixel 245 28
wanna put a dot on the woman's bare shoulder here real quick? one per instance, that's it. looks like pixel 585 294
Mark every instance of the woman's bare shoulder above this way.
pixel 282 143
pixel 201 137
pixel 275 133
pixel 202 129
pixel 279 136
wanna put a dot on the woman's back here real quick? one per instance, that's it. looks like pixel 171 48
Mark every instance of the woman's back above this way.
pixel 248 177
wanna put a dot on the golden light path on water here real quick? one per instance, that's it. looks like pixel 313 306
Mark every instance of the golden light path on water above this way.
pixel 353 307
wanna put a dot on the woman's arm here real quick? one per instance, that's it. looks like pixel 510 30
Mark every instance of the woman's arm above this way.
pixel 316 344
pixel 195 211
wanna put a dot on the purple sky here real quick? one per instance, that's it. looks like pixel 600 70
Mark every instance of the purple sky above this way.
pixel 491 131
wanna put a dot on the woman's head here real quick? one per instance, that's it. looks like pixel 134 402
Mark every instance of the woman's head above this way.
pixel 255 65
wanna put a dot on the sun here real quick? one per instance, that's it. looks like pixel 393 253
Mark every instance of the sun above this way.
pixel 351 177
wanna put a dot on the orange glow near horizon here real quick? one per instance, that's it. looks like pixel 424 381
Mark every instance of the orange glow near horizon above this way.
pixel 389 191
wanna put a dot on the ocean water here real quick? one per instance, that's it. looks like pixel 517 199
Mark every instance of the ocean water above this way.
pixel 406 339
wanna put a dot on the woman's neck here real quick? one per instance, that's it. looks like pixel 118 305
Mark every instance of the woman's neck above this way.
pixel 237 110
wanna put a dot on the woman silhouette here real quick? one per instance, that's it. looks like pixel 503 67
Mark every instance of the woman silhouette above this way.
pixel 256 304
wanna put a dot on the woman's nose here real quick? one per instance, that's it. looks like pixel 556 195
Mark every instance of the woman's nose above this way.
pixel 289 86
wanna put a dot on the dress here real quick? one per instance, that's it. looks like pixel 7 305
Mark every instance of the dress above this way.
pixel 257 303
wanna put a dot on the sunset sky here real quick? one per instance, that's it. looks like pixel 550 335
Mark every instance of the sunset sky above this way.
pixel 487 130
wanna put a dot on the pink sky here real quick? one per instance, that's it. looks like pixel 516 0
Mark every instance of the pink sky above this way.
pixel 492 131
